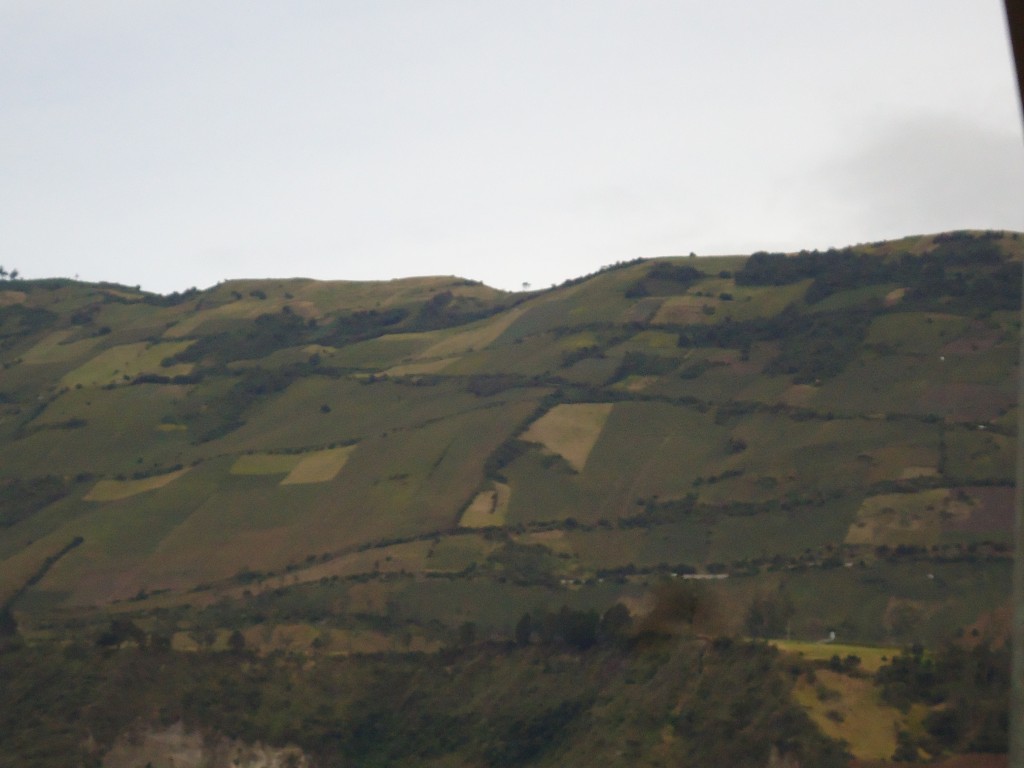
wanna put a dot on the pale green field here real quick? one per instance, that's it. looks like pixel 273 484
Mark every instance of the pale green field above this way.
pixel 916 332
pixel 542 352
pixel 114 490
pixel 653 341
pixel 477 336
pixel 872 657
pixel 593 301
pixel 53 349
pixel 579 340
pixel 293 418
pixel 748 302
pixel 384 351
pixel 859 717
pixel 247 308
pixel 888 292
pixel 126 361
pixel 319 467
pixel 488 508
pixel 331 295
pixel 120 434
pixel 688 310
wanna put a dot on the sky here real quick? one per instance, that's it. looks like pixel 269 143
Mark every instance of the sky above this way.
pixel 179 143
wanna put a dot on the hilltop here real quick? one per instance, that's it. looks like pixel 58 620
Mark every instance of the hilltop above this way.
pixel 824 441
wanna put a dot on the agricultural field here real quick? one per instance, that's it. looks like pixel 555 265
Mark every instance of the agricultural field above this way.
pixel 570 431
pixel 115 490
pixel 127 361
pixel 790 445
pixel 57 348
pixel 488 508
pixel 849 709
pixel 872 657
pixel 318 466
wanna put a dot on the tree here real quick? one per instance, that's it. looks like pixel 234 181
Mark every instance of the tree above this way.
pixel 121 631
pixel 616 621
pixel 906 750
pixel 675 604
pixel 524 628
pixel 236 642
pixel 467 633
pixel 8 626
pixel 577 629
pixel 768 615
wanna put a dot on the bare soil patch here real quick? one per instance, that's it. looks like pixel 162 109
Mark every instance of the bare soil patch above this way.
pixel 907 518
pixel 113 490
pixel 9 298
pixel 319 467
pixel 570 430
pixel 849 708
pixel 685 310
pixel 489 508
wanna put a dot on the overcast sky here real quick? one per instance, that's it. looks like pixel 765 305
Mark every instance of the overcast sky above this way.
pixel 175 143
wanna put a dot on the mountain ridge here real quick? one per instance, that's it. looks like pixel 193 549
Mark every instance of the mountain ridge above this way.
pixel 636 470
pixel 452 351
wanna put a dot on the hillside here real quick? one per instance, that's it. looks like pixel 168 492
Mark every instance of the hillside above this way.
pixel 824 441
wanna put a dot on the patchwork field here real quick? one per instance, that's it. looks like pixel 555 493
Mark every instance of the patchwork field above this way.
pixel 101 431
pixel 56 349
pixel 907 518
pixel 475 338
pixel 384 351
pixel 488 508
pixel 319 467
pixel 355 468
pixel 127 361
pixel 570 431
pixel 848 708
pixel 872 657
pixel 248 308
pixel 114 490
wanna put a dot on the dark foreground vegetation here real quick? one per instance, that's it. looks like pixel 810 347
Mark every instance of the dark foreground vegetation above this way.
pixel 967 691
pixel 658 701
pixel 565 687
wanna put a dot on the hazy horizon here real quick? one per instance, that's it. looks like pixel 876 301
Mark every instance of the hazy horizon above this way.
pixel 172 145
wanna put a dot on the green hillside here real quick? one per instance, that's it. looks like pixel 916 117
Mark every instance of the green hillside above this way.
pixel 335 468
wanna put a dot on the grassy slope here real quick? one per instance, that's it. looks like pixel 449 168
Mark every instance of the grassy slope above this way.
pixel 709 455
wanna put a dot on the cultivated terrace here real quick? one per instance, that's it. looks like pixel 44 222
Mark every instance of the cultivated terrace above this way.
pixel 705 511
